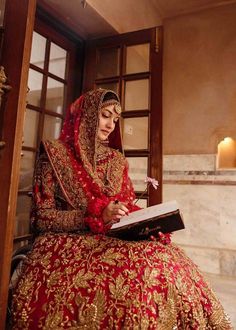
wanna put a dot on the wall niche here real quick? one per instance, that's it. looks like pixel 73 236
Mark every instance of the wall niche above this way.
pixel 226 154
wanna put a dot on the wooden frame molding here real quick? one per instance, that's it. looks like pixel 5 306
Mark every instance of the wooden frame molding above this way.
pixel 154 37
pixel 15 58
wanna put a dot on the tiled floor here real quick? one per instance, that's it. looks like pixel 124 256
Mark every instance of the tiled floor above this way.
pixel 225 289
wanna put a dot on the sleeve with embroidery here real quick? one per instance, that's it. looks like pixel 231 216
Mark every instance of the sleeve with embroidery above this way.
pixel 93 219
pixel 45 214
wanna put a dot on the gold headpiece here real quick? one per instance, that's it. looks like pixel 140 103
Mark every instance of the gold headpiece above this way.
pixel 114 102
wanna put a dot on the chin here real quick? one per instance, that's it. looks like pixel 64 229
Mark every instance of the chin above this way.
pixel 102 138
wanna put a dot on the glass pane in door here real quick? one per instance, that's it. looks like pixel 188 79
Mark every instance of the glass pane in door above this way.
pixel 143 203
pixel 35 80
pixel 111 86
pixel 137 95
pixel 55 96
pixel 57 61
pixel 22 226
pixel 38 50
pixel 137 58
pixel 138 169
pixel 108 62
pixel 31 128
pixel 52 127
pixel 26 170
pixel 135 133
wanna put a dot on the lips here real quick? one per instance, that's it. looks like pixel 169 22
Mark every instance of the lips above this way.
pixel 104 131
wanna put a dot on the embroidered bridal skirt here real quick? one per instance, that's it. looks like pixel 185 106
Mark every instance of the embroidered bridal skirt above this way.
pixel 95 282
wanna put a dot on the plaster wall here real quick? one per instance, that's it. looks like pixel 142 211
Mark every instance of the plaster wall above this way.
pixel 199 110
pixel 199 81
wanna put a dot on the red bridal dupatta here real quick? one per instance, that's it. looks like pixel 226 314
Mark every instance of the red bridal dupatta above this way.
pixel 78 158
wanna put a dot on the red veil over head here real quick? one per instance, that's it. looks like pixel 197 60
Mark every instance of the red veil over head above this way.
pixel 79 135
pixel 81 123
pixel 79 130
pixel 89 174
pixel 75 155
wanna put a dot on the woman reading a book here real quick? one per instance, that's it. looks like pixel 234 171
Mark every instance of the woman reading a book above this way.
pixel 76 276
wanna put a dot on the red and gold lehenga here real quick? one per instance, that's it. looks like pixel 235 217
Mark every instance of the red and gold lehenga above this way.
pixel 76 277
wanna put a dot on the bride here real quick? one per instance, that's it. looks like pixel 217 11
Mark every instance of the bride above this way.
pixel 76 277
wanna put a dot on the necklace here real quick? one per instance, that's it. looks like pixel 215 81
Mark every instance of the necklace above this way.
pixel 102 153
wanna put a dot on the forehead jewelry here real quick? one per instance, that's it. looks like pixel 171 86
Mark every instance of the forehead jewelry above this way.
pixel 116 104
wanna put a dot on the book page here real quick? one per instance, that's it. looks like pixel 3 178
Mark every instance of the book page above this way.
pixel 147 213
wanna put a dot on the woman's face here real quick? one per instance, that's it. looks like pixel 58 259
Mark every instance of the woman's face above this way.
pixel 108 118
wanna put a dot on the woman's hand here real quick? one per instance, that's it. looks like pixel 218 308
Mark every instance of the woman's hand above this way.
pixel 113 212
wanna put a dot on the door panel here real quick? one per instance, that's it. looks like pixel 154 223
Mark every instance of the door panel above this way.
pixel 51 82
pixel 108 62
pixel 136 94
pixel 131 65
pixel 137 58
pixel 15 55
pixel 135 133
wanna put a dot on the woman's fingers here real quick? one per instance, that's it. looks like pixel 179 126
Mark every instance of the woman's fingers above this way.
pixel 124 208
pixel 119 212
pixel 121 206
pixel 117 216
pixel 115 210
pixel 121 209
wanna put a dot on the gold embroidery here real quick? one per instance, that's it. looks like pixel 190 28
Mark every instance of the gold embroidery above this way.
pixel 112 102
pixel 59 157
pixel 89 145
pixel 119 289
pixel 111 257
pixel 105 283
pixel 91 315
pixel 50 211
pixel 82 278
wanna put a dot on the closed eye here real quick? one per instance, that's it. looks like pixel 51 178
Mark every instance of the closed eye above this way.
pixel 107 114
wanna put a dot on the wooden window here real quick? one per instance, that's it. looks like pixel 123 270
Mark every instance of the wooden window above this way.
pixel 51 84
pixel 131 65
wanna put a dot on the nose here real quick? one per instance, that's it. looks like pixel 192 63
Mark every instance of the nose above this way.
pixel 110 124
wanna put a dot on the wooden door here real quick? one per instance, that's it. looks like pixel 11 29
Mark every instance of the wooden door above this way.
pixel 131 65
pixel 16 35
pixel 54 72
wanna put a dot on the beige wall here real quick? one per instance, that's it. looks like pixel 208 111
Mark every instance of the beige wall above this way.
pixel 199 81
pixel 199 110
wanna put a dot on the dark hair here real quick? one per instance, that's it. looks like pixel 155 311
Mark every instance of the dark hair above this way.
pixel 110 96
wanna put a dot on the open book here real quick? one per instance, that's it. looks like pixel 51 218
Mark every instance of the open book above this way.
pixel 141 224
